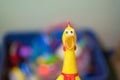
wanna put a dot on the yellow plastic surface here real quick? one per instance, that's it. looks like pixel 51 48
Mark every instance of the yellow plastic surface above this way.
pixel 69 64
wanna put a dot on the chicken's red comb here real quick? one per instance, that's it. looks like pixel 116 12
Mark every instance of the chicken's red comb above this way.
pixel 68 24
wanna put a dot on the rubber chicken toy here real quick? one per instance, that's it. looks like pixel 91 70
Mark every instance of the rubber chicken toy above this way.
pixel 69 70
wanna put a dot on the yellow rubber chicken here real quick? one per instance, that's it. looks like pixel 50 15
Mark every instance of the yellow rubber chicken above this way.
pixel 69 70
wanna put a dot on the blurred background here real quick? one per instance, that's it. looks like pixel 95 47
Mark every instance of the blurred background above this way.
pixel 26 24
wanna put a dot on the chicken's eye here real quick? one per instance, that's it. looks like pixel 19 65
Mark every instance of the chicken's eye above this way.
pixel 66 32
pixel 71 32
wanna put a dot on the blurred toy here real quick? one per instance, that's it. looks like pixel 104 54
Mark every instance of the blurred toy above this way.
pixel 25 68
pixel 14 57
pixel 41 50
pixel 69 70
pixel 43 70
pixel 25 51
pixel 16 74
pixel 44 58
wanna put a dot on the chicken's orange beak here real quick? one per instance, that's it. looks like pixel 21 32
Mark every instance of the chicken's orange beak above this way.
pixel 69 42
